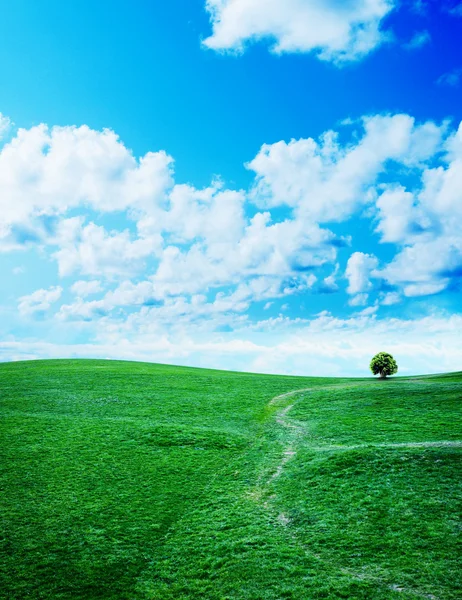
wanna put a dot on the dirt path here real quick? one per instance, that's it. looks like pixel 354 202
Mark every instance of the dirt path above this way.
pixel 296 429
pixel 277 399
pixel 339 447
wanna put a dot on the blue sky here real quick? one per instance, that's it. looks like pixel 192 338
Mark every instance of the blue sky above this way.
pixel 242 184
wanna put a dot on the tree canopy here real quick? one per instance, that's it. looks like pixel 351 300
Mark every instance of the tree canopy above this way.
pixel 383 364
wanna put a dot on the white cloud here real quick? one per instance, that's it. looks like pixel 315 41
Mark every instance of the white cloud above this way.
pixel 47 171
pixel 212 214
pixel 359 300
pixel 396 214
pixel 334 31
pixel 390 298
pixel 188 263
pixel 5 125
pixel 82 310
pixel 82 288
pixel 329 284
pixel 178 241
pixel 451 79
pixel 425 288
pixel 368 311
pixel 419 269
pixel 328 181
pixel 91 250
pixel 419 39
pixel 325 346
pixel 358 272
pixel 177 310
pixel 428 223
pixel 277 250
pixel 39 301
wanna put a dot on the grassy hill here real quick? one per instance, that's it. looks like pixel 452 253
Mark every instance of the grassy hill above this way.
pixel 136 481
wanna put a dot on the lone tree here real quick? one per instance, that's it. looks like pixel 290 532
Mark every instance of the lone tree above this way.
pixel 383 364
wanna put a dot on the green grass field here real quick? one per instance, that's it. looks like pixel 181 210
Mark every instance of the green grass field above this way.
pixel 137 481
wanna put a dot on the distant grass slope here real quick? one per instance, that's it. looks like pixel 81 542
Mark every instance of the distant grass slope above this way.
pixel 130 481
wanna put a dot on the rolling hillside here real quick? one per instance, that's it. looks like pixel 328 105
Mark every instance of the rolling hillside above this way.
pixel 124 480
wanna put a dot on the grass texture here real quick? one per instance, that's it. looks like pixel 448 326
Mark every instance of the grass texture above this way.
pixel 131 481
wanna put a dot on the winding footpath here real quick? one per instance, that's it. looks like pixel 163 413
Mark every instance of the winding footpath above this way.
pixel 294 432
pixel 296 429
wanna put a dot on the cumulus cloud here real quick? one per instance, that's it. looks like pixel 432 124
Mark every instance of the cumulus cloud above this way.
pixel 172 244
pixel 400 219
pixel 214 214
pixel 265 249
pixel 334 31
pixel 91 250
pixel 424 269
pixel 358 271
pixel 47 171
pixel 329 284
pixel 177 310
pixel 428 225
pixel 84 288
pixel 326 180
pixel 390 298
pixel 39 301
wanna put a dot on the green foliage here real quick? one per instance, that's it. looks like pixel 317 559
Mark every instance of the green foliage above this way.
pixel 383 364
pixel 134 481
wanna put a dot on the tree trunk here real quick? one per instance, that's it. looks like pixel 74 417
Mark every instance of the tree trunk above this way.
pixel 382 374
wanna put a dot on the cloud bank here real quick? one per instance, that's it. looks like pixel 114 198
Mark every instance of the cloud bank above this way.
pixel 335 31
pixel 145 262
